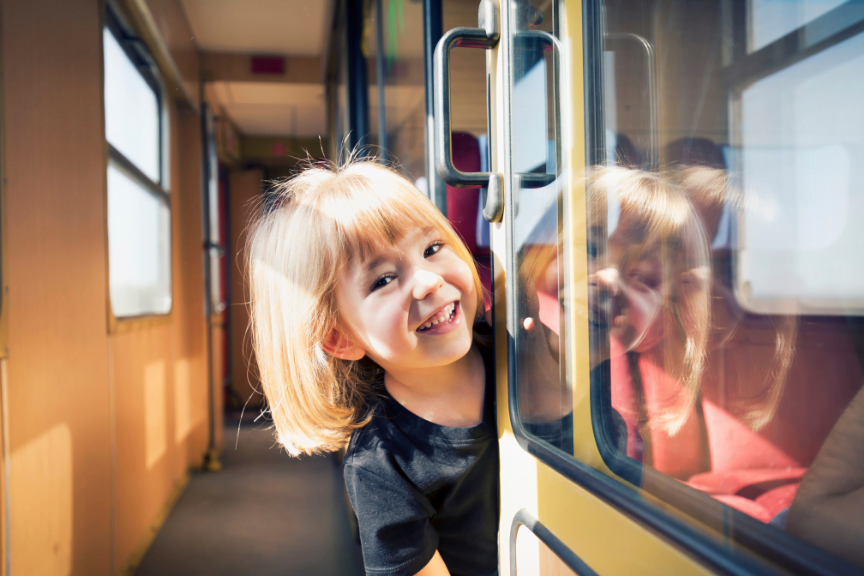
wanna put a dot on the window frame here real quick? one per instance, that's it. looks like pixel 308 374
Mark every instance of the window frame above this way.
pixel 140 57
pixel 762 548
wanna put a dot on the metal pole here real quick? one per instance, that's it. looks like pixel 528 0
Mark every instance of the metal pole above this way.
pixel 432 31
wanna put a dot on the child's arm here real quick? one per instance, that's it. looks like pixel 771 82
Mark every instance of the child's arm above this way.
pixel 435 567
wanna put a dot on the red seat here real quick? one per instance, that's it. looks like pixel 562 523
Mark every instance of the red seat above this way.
pixel 462 207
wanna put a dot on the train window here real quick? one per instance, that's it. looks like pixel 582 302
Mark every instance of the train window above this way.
pixel 139 215
pixel 724 240
pixel 397 105
pixel 722 245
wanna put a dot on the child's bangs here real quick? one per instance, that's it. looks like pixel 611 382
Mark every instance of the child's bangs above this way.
pixel 372 217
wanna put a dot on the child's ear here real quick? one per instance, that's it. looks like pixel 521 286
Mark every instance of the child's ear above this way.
pixel 339 345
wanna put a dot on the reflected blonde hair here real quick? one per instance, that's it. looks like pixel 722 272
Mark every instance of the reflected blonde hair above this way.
pixel 664 222
pixel 756 399
pixel 322 221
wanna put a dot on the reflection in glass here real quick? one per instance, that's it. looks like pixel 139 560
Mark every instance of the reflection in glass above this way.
pixel 544 394
pixel 801 142
pixel 723 258
pixel 725 283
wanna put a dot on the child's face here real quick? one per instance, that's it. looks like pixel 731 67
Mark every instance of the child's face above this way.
pixel 389 301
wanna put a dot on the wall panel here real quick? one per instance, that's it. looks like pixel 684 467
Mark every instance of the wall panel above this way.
pixel 58 377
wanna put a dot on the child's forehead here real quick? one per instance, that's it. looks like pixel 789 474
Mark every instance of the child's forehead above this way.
pixel 376 244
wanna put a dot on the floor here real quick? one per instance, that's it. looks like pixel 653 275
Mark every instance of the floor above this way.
pixel 264 513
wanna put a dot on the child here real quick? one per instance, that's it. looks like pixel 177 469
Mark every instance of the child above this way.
pixel 363 302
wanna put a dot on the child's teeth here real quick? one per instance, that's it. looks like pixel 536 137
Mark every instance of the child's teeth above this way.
pixel 446 316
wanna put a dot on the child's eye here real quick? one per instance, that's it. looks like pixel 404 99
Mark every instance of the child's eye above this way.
pixel 433 249
pixel 381 281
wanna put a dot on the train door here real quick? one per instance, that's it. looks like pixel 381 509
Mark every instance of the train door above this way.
pixel 677 304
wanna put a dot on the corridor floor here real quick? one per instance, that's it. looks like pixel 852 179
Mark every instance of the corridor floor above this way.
pixel 264 514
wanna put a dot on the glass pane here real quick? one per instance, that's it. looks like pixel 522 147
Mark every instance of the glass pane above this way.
pixel 726 290
pixel 544 394
pixel 139 243
pixel 404 85
pixel 131 110
pixel 770 20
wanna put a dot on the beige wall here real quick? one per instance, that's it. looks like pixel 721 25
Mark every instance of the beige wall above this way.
pixel 102 427
pixel 59 390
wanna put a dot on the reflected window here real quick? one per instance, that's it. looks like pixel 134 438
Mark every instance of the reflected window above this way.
pixel 139 213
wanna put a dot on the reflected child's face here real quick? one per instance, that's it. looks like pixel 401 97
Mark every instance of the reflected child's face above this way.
pixel 625 291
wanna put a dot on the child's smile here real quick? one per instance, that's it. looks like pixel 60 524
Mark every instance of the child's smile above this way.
pixel 442 320
pixel 410 306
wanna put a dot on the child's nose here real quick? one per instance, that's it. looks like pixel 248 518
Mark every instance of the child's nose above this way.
pixel 426 283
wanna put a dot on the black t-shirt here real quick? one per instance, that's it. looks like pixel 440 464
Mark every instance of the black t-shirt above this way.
pixel 418 487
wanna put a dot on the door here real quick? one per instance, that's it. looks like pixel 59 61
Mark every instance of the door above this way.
pixel 678 298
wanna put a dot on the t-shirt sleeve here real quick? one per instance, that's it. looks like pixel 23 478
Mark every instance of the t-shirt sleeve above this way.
pixel 393 518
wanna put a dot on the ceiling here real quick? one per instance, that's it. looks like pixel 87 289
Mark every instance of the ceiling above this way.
pixel 266 27
pixel 271 109
pixel 295 27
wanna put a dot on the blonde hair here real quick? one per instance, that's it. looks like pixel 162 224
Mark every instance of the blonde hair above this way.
pixel 321 221
pixel 664 221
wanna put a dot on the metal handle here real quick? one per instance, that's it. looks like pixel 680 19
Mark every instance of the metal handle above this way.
pixel 530 179
pixel 486 36
pixel 654 151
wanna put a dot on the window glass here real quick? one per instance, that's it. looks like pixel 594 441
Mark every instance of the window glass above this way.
pixel 139 246
pixel 539 238
pixel 139 217
pixel 723 247
pixel 724 235
pixel 799 144
pixel 131 110
pixel 404 85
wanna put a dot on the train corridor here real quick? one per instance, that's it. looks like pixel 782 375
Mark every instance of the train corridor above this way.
pixel 264 513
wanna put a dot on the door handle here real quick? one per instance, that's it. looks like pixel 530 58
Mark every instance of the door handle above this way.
pixel 530 179
pixel 485 37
